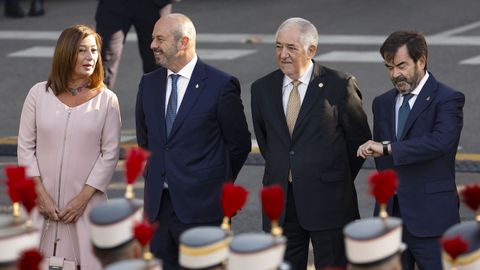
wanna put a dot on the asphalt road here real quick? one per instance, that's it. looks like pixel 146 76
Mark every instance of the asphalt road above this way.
pixel 237 36
pixel 353 30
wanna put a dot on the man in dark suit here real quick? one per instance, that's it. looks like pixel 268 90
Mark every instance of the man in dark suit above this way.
pixel 115 18
pixel 309 122
pixel 417 128
pixel 190 116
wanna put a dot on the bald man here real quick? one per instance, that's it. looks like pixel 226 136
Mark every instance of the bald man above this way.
pixel 190 116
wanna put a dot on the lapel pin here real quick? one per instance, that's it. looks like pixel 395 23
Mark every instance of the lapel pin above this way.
pixel 320 85
pixel 428 98
pixel 196 86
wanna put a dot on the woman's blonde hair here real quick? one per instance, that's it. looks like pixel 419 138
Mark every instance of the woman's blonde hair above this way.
pixel 65 57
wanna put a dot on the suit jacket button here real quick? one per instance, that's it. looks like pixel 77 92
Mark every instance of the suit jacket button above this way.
pixel 291 152
pixel 163 174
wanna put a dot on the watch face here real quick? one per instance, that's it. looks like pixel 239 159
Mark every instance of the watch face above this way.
pixel 385 142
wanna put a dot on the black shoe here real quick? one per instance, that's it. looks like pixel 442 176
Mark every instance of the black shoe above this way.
pixel 14 10
pixel 36 8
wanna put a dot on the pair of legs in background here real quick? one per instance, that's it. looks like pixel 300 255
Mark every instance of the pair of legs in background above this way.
pixel 114 19
pixel 14 9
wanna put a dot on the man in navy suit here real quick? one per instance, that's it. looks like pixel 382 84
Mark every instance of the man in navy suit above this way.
pixel 190 116
pixel 417 128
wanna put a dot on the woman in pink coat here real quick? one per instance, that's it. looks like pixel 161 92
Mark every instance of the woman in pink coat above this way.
pixel 69 141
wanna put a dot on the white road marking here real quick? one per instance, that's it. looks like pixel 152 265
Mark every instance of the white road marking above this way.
pixel 350 56
pixel 454 41
pixel 471 61
pixel 208 54
pixel 229 54
pixel 34 52
pixel 460 29
pixel 439 39
pixel 29 35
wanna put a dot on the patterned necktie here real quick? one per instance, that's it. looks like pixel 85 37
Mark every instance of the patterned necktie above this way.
pixel 403 112
pixel 172 105
pixel 293 106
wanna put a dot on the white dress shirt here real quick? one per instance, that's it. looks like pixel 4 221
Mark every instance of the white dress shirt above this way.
pixel 302 87
pixel 182 82
pixel 412 100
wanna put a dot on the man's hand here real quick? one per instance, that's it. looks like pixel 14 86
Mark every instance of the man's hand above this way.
pixel 370 149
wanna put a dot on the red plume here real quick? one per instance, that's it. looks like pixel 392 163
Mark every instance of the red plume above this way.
pixel 143 232
pixel 135 163
pixel 12 191
pixel 471 196
pixel 383 185
pixel 454 246
pixel 233 198
pixel 27 194
pixel 15 175
pixel 30 260
pixel 272 201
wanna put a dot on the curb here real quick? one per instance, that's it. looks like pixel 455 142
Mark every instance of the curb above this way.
pixel 464 162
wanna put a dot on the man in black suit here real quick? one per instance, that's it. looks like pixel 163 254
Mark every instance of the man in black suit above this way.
pixel 115 18
pixel 309 122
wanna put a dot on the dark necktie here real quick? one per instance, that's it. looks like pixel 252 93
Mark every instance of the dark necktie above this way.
pixel 403 112
pixel 172 105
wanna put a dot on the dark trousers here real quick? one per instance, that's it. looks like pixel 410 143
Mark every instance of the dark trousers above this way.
pixel 328 245
pixel 114 19
pixel 423 251
pixel 165 242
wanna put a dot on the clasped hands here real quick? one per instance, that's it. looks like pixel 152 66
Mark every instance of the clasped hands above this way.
pixel 70 213
pixel 370 149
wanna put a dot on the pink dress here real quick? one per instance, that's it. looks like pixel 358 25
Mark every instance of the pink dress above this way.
pixel 69 147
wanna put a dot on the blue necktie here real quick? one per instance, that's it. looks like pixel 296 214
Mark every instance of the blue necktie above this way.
pixel 403 112
pixel 172 105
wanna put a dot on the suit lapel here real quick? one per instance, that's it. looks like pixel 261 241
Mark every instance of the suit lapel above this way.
pixel 276 94
pixel 317 81
pixel 194 88
pixel 391 98
pixel 424 99
pixel 160 90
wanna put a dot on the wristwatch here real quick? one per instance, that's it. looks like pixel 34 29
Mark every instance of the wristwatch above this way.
pixel 385 147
